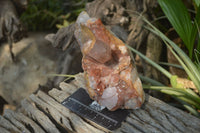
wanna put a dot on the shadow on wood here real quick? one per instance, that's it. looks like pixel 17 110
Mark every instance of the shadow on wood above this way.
pixel 43 112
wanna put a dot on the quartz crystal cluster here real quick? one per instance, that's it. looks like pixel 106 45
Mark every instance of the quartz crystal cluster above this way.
pixel 112 79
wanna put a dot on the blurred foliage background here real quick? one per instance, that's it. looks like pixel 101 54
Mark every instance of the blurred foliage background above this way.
pixel 43 15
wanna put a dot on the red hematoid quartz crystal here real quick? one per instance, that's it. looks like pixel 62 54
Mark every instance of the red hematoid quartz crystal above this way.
pixel 112 79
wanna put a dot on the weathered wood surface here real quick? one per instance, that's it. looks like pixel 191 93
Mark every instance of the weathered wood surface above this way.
pixel 43 112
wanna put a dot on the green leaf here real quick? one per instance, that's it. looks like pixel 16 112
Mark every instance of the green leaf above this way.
pixel 178 16
pixel 165 72
pixel 197 55
pixel 186 67
pixel 174 83
pixel 172 65
pixel 179 93
pixel 150 80
pixel 62 75
pixel 189 108
pixel 195 73
pixel 195 31
pixel 197 2
pixel 173 80
pixel 187 70
pixel 197 24
pixel 59 26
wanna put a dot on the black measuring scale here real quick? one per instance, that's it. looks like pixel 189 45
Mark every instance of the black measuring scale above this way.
pixel 80 103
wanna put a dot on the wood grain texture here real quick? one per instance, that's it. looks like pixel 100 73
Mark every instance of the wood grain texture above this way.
pixel 31 125
pixel 4 123
pixel 39 116
pixel 43 112
pixel 155 116
pixel 15 122
pixel 3 130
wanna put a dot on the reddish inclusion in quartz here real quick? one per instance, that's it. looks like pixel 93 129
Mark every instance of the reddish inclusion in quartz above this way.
pixel 108 68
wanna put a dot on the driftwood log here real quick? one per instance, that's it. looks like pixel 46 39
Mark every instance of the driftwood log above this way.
pixel 43 112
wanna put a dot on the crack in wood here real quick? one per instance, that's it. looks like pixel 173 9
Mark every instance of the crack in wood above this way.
pixel 15 122
pixel 39 116
pixel 154 116
pixel 52 113
pixel 76 121
pixel 146 118
pixel 142 127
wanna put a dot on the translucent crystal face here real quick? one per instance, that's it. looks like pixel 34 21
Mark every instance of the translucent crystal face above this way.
pixel 82 18
pixel 112 79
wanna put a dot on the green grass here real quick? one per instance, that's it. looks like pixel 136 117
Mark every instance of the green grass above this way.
pixel 189 99
pixel 179 17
